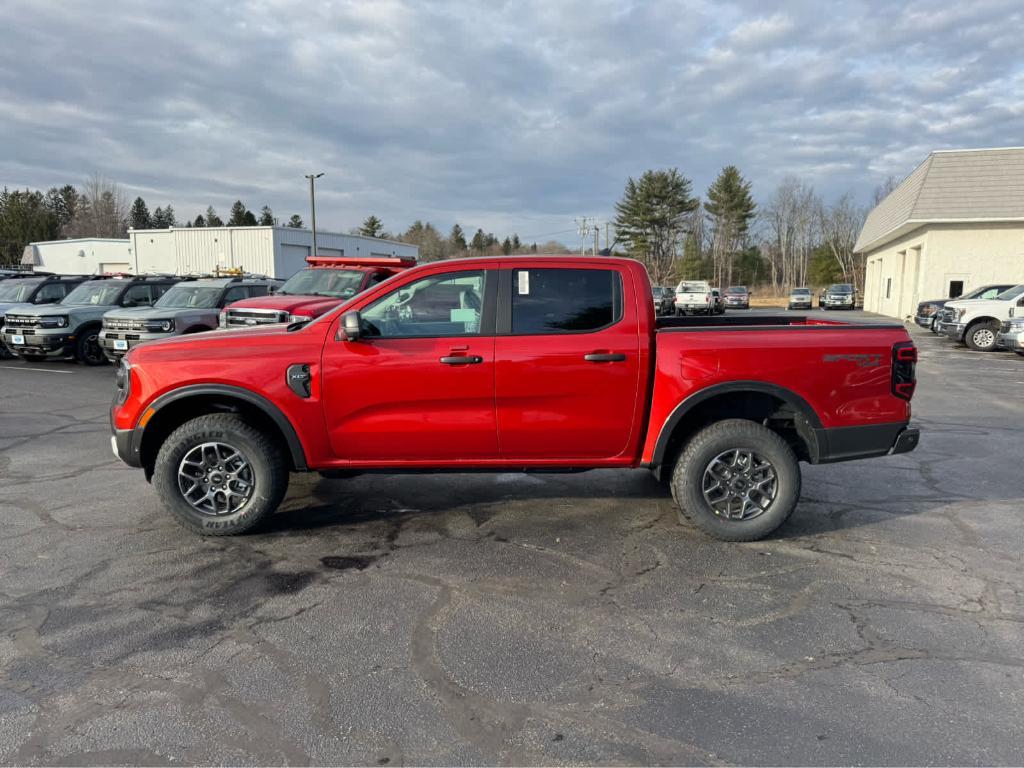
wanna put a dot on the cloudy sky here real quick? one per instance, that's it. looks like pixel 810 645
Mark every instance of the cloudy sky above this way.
pixel 513 116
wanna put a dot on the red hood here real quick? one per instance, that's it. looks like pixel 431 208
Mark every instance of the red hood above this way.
pixel 314 306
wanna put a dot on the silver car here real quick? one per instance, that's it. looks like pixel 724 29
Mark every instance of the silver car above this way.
pixel 800 298
pixel 191 306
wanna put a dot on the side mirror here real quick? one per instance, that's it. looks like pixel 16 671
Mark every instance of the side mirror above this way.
pixel 1020 302
pixel 352 325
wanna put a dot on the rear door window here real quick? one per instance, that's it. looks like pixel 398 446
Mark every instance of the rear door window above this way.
pixel 565 300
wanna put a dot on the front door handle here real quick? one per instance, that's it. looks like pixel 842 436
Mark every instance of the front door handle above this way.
pixel 604 357
pixel 461 359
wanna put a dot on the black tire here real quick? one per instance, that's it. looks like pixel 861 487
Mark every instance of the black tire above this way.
pixel 716 440
pixel 981 337
pixel 269 474
pixel 87 348
pixel 30 358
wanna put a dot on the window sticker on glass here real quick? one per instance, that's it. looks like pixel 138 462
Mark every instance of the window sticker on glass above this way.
pixel 524 282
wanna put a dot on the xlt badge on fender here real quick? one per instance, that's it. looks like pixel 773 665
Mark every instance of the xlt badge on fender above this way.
pixel 298 379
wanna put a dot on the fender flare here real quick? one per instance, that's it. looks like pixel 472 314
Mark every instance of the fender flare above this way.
pixel 295 449
pixel 798 403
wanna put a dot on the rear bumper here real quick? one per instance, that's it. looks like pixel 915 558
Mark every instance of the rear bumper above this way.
pixel 849 443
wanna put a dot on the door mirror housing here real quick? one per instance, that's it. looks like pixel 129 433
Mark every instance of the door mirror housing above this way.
pixel 352 325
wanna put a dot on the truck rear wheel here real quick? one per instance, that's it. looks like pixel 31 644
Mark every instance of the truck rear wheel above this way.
pixel 736 480
pixel 219 476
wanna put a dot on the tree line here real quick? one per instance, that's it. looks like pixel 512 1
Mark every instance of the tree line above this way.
pixel 433 245
pixel 793 239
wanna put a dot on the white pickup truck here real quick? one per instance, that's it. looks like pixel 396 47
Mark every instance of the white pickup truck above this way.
pixel 977 322
pixel 693 296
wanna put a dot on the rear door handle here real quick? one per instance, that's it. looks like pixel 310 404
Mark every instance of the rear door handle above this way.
pixel 604 357
pixel 461 359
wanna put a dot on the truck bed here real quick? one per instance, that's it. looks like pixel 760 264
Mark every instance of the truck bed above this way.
pixel 754 322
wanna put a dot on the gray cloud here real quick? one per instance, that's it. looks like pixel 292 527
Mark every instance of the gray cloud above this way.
pixel 509 116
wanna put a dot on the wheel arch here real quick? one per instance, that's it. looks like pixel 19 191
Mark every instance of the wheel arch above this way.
pixel 174 408
pixel 783 410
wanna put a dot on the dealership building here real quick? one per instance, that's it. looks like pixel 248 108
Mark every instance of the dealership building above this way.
pixel 273 251
pixel 954 224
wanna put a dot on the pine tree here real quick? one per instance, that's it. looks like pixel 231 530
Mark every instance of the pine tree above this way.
pixel 199 222
pixel 479 242
pixel 266 217
pixel 212 219
pixel 516 244
pixel 237 218
pixel 169 218
pixel 457 239
pixel 158 221
pixel 730 208
pixel 249 219
pixel 652 216
pixel 295 222
pixel 506 246
pixel 138 217
pixel 371 227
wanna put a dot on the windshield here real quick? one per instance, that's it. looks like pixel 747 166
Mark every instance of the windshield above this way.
pixel 841 288
pixel 17 290
pixel 97 293
pixel 693 288
pixel 736 289
pixel 337 283
pixel 801 291
pixel 181 296
pixel 1013 293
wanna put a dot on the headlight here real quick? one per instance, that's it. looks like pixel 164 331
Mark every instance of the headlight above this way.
pixel 54 321
pixel 299 319
pixel 1017 326
pixel 929 310
pixel 958 312
pixel 159 326
pixel 123 381
pixel 222 319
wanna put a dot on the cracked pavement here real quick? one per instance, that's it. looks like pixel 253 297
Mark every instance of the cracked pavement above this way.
pixel 510 619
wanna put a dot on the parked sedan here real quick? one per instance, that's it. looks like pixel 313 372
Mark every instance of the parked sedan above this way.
pixel 928 312
pixel 737 297
pixel 800 298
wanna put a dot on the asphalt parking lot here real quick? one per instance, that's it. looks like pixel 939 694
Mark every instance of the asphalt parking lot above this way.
pixel 516 619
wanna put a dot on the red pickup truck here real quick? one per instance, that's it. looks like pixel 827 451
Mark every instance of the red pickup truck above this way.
pixel 514 363
pixel 323 285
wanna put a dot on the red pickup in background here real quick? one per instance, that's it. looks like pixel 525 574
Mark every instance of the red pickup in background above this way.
pixel 320 287
pixel 515 363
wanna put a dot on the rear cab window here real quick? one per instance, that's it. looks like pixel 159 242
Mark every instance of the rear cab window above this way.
pixel 557 300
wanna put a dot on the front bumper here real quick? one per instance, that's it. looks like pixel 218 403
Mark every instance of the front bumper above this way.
pixel 1011 340
pixel 738 304
pixel 954 331
pixel 838 304
pixel 126 446
pixel 799 304
pixel 108 341
pixel 38 342
pixel 925 321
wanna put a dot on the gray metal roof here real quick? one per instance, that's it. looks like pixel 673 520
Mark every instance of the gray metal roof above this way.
pixel 960 185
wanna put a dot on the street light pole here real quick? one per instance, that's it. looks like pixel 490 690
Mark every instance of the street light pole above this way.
pixel 312 205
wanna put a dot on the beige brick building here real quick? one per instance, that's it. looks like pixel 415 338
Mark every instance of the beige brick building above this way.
pixel 955 223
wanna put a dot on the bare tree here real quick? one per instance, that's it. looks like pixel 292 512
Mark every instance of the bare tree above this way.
pixel 840 225
pixel 790 224
pixel 883 190
pixel 102 209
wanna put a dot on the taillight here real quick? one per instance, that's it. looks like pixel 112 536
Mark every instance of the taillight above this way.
pixel 707 298
pixel 904 369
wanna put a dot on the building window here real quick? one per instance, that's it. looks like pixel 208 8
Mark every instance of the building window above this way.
pixel 956 288
pixel 888 287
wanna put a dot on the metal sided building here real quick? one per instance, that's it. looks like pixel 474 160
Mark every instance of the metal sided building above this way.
pixel 79 256
pixel 274 251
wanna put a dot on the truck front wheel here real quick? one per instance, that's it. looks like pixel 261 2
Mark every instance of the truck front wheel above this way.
pixel 981 337
pixel 737 480
pixel 219 476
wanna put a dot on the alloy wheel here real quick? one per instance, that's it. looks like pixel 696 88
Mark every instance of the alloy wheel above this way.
pixel 216 479
pixel 984 337
pixel 739 484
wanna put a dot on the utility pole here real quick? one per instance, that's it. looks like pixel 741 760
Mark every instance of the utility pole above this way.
pixel 607 242
pixel 312 205
pixel 583 227
pixel 597 233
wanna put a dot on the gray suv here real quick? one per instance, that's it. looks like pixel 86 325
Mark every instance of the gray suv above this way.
pixel 191 306
pixel 27 288
pixel 71 327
